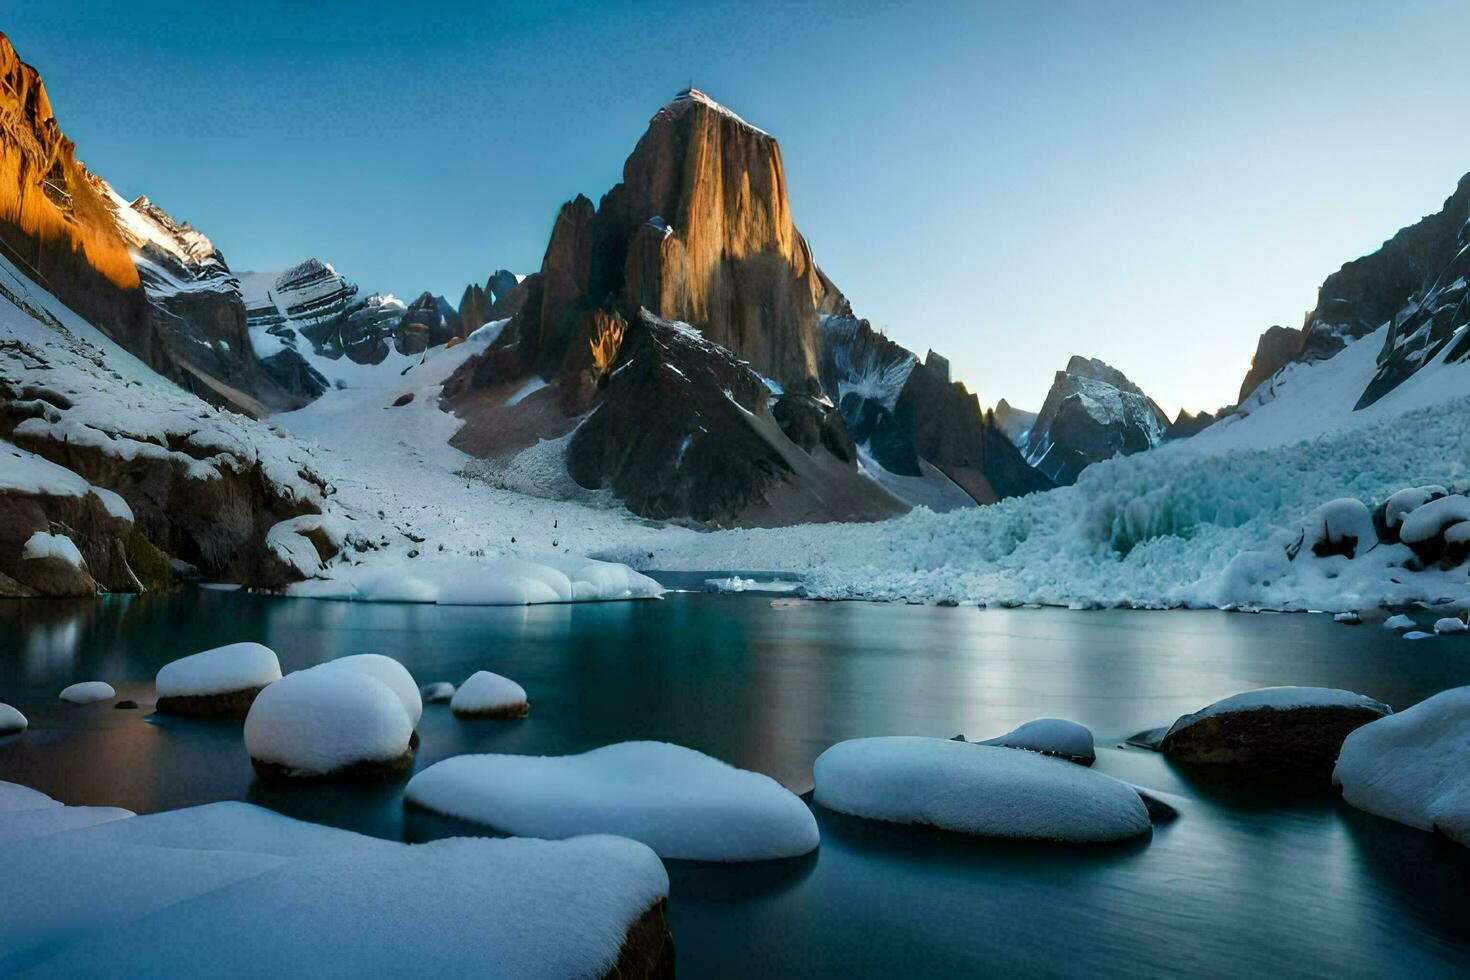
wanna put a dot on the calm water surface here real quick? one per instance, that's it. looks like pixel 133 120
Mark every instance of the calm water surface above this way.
pixel 1242 883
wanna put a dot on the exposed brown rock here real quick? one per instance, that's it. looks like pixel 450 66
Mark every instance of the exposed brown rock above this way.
pixel 228 704
pixel 1272 740
pixel 474 309
pixel 369 771
pixel 100 537
pixel 501 713
pixel 647 952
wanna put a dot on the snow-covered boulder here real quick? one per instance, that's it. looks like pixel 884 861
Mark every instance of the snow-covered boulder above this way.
pixel 1412 766
pixel 11 720
pixel 1348 619
pixel 1399 622
pixel 27 814
pixel 1401 504
pixel 1432 530
pixel 1449 625
pixel 157 894
pixel 682 803
pixel 217 683
pixel 88 692
pixel 487 695
pixel 976 789
pixel 436 693
pixel 1050 736
pixel 1274 729
pixel 482 581
pixel 1339 527
pixel 390 672
pixel 329 722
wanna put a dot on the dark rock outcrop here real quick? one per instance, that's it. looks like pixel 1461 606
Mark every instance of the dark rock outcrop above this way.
pixel 1277 347
pixel 429 321
pixel 1186 425
pixel 474 309
pixel 1092 412
pixel 1014 422
pixel 80 519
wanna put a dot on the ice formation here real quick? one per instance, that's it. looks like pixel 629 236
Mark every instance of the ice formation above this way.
pixel 682 803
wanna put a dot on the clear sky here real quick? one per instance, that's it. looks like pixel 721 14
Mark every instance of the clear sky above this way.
pixel 1152 183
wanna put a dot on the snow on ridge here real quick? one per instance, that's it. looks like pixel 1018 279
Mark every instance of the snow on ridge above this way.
pixel 693 96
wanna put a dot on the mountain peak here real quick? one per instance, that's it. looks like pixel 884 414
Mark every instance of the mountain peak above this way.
pixel 692 96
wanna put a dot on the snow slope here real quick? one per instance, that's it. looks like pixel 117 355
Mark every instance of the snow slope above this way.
pixel 1160 527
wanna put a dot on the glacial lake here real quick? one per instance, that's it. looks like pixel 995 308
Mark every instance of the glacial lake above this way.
pixel 1243 882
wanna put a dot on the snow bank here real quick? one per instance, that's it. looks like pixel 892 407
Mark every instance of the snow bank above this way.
pixel 222 670
pixel 192 889
pixel 389 672
pixel 487 695
pixel 11 720
pixel 321 721
pixel 483 582
pixel 1050 736
pixel 88 692
pixel 976 789
pixel 1281 699
pixel 1411 767
pixel 44 545
pixel 682 803
pixel 26 814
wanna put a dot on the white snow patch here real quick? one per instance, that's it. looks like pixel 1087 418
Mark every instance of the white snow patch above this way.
pixel 1052 736
pixel 1411 767
pixel 682 803
pixel 44 545
pixel 1450 624
pixel 11 721
pixel 317 721
pixel 88 692
pixel 221 670
pixel 389 672
pixel 976 789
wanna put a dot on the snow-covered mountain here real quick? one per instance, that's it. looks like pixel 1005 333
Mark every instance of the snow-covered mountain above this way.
pixel 1091 412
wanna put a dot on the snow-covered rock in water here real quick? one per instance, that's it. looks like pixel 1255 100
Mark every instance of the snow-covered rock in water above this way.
pixel 1339 527
pixel 11 720
pixel 88 692
pixel 437 692
pixel 1418 635
pixel 1433 529
pixel 163 892
pixel 1411 767
pixel 976 789
pixel 218 683
pixel 483 582
pixel 389 672
pixel 27 814
pixel 1450 624
pixel 1399 622
pixel 682 803
pixel 328 721
pixel 1274 729
pixel 1348 619
pixel 1050 736
pixel 488 695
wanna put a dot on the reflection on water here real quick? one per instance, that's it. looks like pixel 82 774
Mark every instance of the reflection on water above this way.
pixel 1241 882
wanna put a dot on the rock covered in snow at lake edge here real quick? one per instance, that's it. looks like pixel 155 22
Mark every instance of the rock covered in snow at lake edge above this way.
pixel 487 695
pixel 1450 624
pixel 1282 729
pixel 164 892
pixel 1399 622
pixel 482 581
pixel 1411 767
pixel 983 790
pixel 88 692
pixel 437 692
pixel 1436 530
pixel 217 683
pixel 1050 736
pixel 1339 527
pixel 329 722
pixel 682 803
pixel 390 672
pixel 11 720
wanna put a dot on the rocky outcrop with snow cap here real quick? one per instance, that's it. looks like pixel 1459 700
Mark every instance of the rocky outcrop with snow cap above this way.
pixel 1092 412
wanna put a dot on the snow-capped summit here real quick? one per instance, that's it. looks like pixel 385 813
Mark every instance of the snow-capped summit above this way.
pixel 304 295
pixel 693 96
pixel 1092 412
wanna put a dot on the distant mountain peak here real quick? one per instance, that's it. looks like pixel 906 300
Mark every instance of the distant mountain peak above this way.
pixel 692 96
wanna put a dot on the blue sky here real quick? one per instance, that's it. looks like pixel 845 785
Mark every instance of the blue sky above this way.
pixel 1149 183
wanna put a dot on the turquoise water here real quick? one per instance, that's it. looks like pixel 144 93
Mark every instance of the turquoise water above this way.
pixel 1241 882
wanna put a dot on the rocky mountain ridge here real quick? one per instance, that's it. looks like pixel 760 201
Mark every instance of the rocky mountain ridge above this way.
pixel 1092 412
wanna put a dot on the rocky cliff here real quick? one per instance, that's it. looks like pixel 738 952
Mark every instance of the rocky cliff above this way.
pixel 55 222
pixel 1092 412
pixel 1413 288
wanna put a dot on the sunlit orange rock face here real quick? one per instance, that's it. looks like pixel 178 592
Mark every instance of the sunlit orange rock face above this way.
pixel 54 222
pixel 700 230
